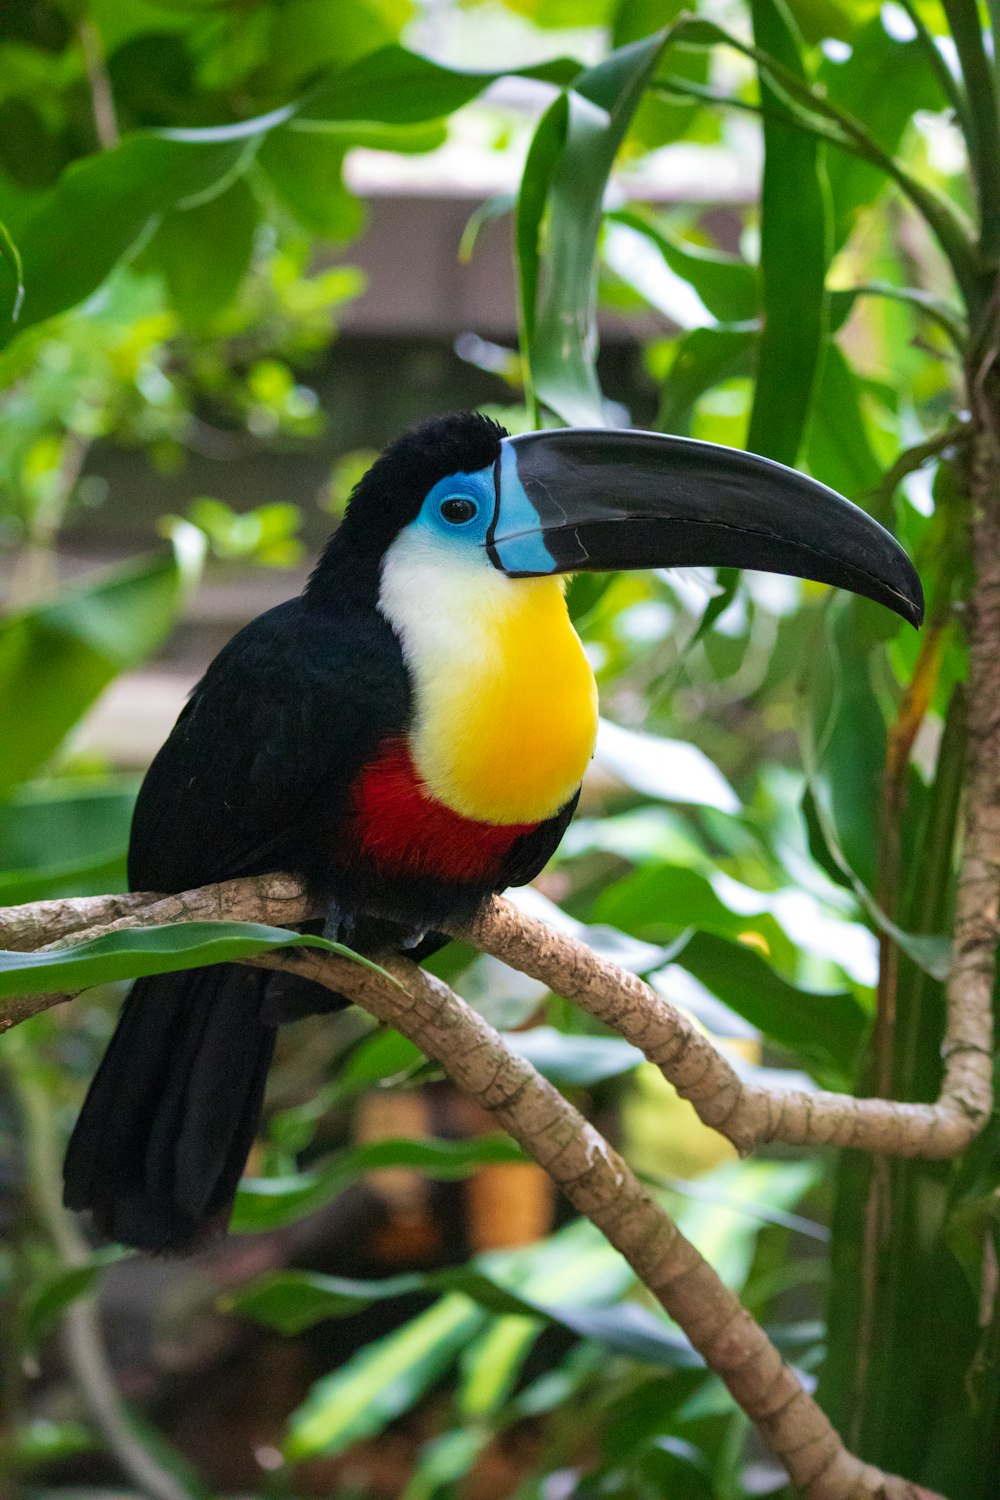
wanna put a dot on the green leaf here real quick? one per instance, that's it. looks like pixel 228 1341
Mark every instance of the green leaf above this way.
pixel 292 1301
pixel 45 1301
pixel 982 120
pixel 704 358
pixel 839 448
pixel 200 284
pixel 794 249
pixel 305 171
pixel 445 1460
pixel 57 658
pixel 661 901
pixel 573 1061
pixel 399 87
pixel 823 1029
pixel 104 206
pixel 726 285
pixel 385 1379
pixel 135 952
pixel 270 1202
pixel 567 169
pixel 65 838
pixel 857 84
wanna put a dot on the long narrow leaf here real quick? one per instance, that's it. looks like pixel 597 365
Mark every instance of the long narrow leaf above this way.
pixel 726 285
pixel 567 170
pixel 982 120
pixel 270 1202
pixel 794 249
pixel 135 952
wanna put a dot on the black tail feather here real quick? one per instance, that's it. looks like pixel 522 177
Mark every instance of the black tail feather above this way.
pixel 164 1132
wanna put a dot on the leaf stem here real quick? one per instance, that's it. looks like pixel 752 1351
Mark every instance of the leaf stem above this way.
pixel 101 97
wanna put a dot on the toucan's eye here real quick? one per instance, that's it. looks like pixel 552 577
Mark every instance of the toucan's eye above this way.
pixel 458 509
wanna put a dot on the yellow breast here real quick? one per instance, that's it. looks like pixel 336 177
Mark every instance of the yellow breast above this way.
pixel 504 698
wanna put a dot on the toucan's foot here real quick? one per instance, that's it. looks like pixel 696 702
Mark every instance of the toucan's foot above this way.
pixel 339 925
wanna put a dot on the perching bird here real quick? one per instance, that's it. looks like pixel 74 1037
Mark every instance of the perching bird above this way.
pixel 408 737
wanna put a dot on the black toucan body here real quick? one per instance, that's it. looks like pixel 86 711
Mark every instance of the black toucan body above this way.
pixel 408 736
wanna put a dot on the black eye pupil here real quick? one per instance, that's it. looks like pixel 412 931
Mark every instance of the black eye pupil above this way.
pixel 458 510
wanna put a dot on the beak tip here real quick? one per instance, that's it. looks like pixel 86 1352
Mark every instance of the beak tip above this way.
pixel 911 596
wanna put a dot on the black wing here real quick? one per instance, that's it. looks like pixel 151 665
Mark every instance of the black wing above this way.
pixel 532 852
pixel 256 772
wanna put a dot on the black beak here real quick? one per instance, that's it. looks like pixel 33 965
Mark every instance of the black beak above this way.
pixel 591 499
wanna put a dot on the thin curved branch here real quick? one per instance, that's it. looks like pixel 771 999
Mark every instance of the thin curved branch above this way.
pixel 747 1114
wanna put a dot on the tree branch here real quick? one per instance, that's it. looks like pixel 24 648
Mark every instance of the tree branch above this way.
pixel 746 1114
pixel 599 1183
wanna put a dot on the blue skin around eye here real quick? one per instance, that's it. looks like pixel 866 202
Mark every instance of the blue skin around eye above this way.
pixel 477 487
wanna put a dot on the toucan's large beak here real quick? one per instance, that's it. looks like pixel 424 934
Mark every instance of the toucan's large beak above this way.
pixel 591 499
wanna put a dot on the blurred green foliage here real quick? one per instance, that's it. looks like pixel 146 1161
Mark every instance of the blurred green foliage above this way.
pixel 171 175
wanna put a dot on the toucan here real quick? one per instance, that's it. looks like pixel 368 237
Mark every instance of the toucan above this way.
pixel 408 736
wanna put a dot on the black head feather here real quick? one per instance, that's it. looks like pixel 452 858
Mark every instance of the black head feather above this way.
pixel 393 490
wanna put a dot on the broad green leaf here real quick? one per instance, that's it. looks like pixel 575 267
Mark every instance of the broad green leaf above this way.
pixel 103 873
pixel 823 1029
pixel 794 250
pixel 135 952
pixel 839 448
pixel 65 838
pixel 269 1202
pixel 444 1461
pixel 104 206
pixel 661 901
pixel 536 180
pixel 726 285
pixel 199 284
pixel 305 171
pixel 659 121
pixel 669 769
pixel 57 658
pixel 982 121
pixel 398 87
pixel 562 329
pixel 703 358
pixel 291 1301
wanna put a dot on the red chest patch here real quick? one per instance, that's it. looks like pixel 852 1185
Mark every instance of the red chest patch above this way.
pixel 404 831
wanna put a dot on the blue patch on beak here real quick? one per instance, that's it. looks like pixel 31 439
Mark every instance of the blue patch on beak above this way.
pixel 517 542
